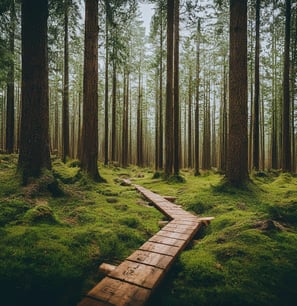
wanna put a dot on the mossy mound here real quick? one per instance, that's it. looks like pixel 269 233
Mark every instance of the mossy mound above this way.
pixel 41 213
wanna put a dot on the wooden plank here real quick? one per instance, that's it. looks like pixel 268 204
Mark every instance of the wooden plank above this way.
pixel 153 259
pixel 180 226
pixel 160 248
pixel 184 222
pixel 106 268
pixel 138 274
pixel 166 240
pixel 187 231
pixel 119 293
pixel 173 235
pixel 88 301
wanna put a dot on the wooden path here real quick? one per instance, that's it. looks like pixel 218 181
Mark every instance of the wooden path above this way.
pixel 132 282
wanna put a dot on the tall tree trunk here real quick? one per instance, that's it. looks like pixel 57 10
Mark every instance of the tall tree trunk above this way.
pixel 206 128
pixel 176 121
pixel 257 92
pixel 190 121
pixel 139 132
pixel 293 90
pixel 106 140
pixel 274 121
pixel 125 120
pixel 213 136
pixel 237 167
pixel 169 141
pixel 65 121
pixel 34 136
pixel 114 112
pixel 286 141
pixel 10 85
pixel 89 154
pixel 160 153
pixel 56 128
pixel 197 84
pixel 224 119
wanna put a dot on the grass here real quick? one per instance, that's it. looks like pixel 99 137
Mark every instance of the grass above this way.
pixel 51 246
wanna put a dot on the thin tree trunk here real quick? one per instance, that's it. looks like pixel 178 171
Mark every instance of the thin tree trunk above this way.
pixel 169 92
pixel 160 154
pixel 106 93
pixel 139 144
pixel 286 141
pixel 10 85
pixel 65 121
pixel 189 164
pixel 176 123
pixel 114 112
pixel 257 92
pixel 197 164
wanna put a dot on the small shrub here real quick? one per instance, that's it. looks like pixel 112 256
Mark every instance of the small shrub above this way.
pixel 157 175
pixel 40 214
pixel 130 222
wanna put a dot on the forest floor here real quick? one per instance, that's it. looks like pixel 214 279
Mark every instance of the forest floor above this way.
pixel 53 242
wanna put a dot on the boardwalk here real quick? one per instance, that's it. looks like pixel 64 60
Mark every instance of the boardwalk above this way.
pixel 132 282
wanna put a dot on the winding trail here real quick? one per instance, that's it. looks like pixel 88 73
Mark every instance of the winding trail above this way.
pixel 132 282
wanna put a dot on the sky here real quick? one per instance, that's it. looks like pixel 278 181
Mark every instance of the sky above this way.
pixel 147 12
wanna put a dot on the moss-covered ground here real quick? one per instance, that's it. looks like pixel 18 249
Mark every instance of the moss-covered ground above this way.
pixel 52 240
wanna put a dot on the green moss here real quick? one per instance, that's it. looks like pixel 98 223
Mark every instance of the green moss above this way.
pixel 40 214
pixel 68 173
pixel 130 222
pixel 52 246
pixel 12 211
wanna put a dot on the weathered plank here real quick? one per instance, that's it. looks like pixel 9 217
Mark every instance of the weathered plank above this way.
pixel 166 240
pixel 153 259
pixel 173 235
pixel 138 274
pixel 117 292
pixel 89 301
pixel 160 248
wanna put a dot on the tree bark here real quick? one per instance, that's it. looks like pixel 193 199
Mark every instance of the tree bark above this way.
pixel 114 111
pixel 237 167
pixel 197 164
pixel 106 140
pixel 34 135
pixel 89 154
pixel 65 121
pixel 169 137
pixel 176 121
pixel 160 153
pixel 286 143
pixel 10 85
pixel 256 128
pixel 189 164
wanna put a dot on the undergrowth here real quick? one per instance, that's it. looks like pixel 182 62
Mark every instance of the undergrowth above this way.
pixel 51 246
